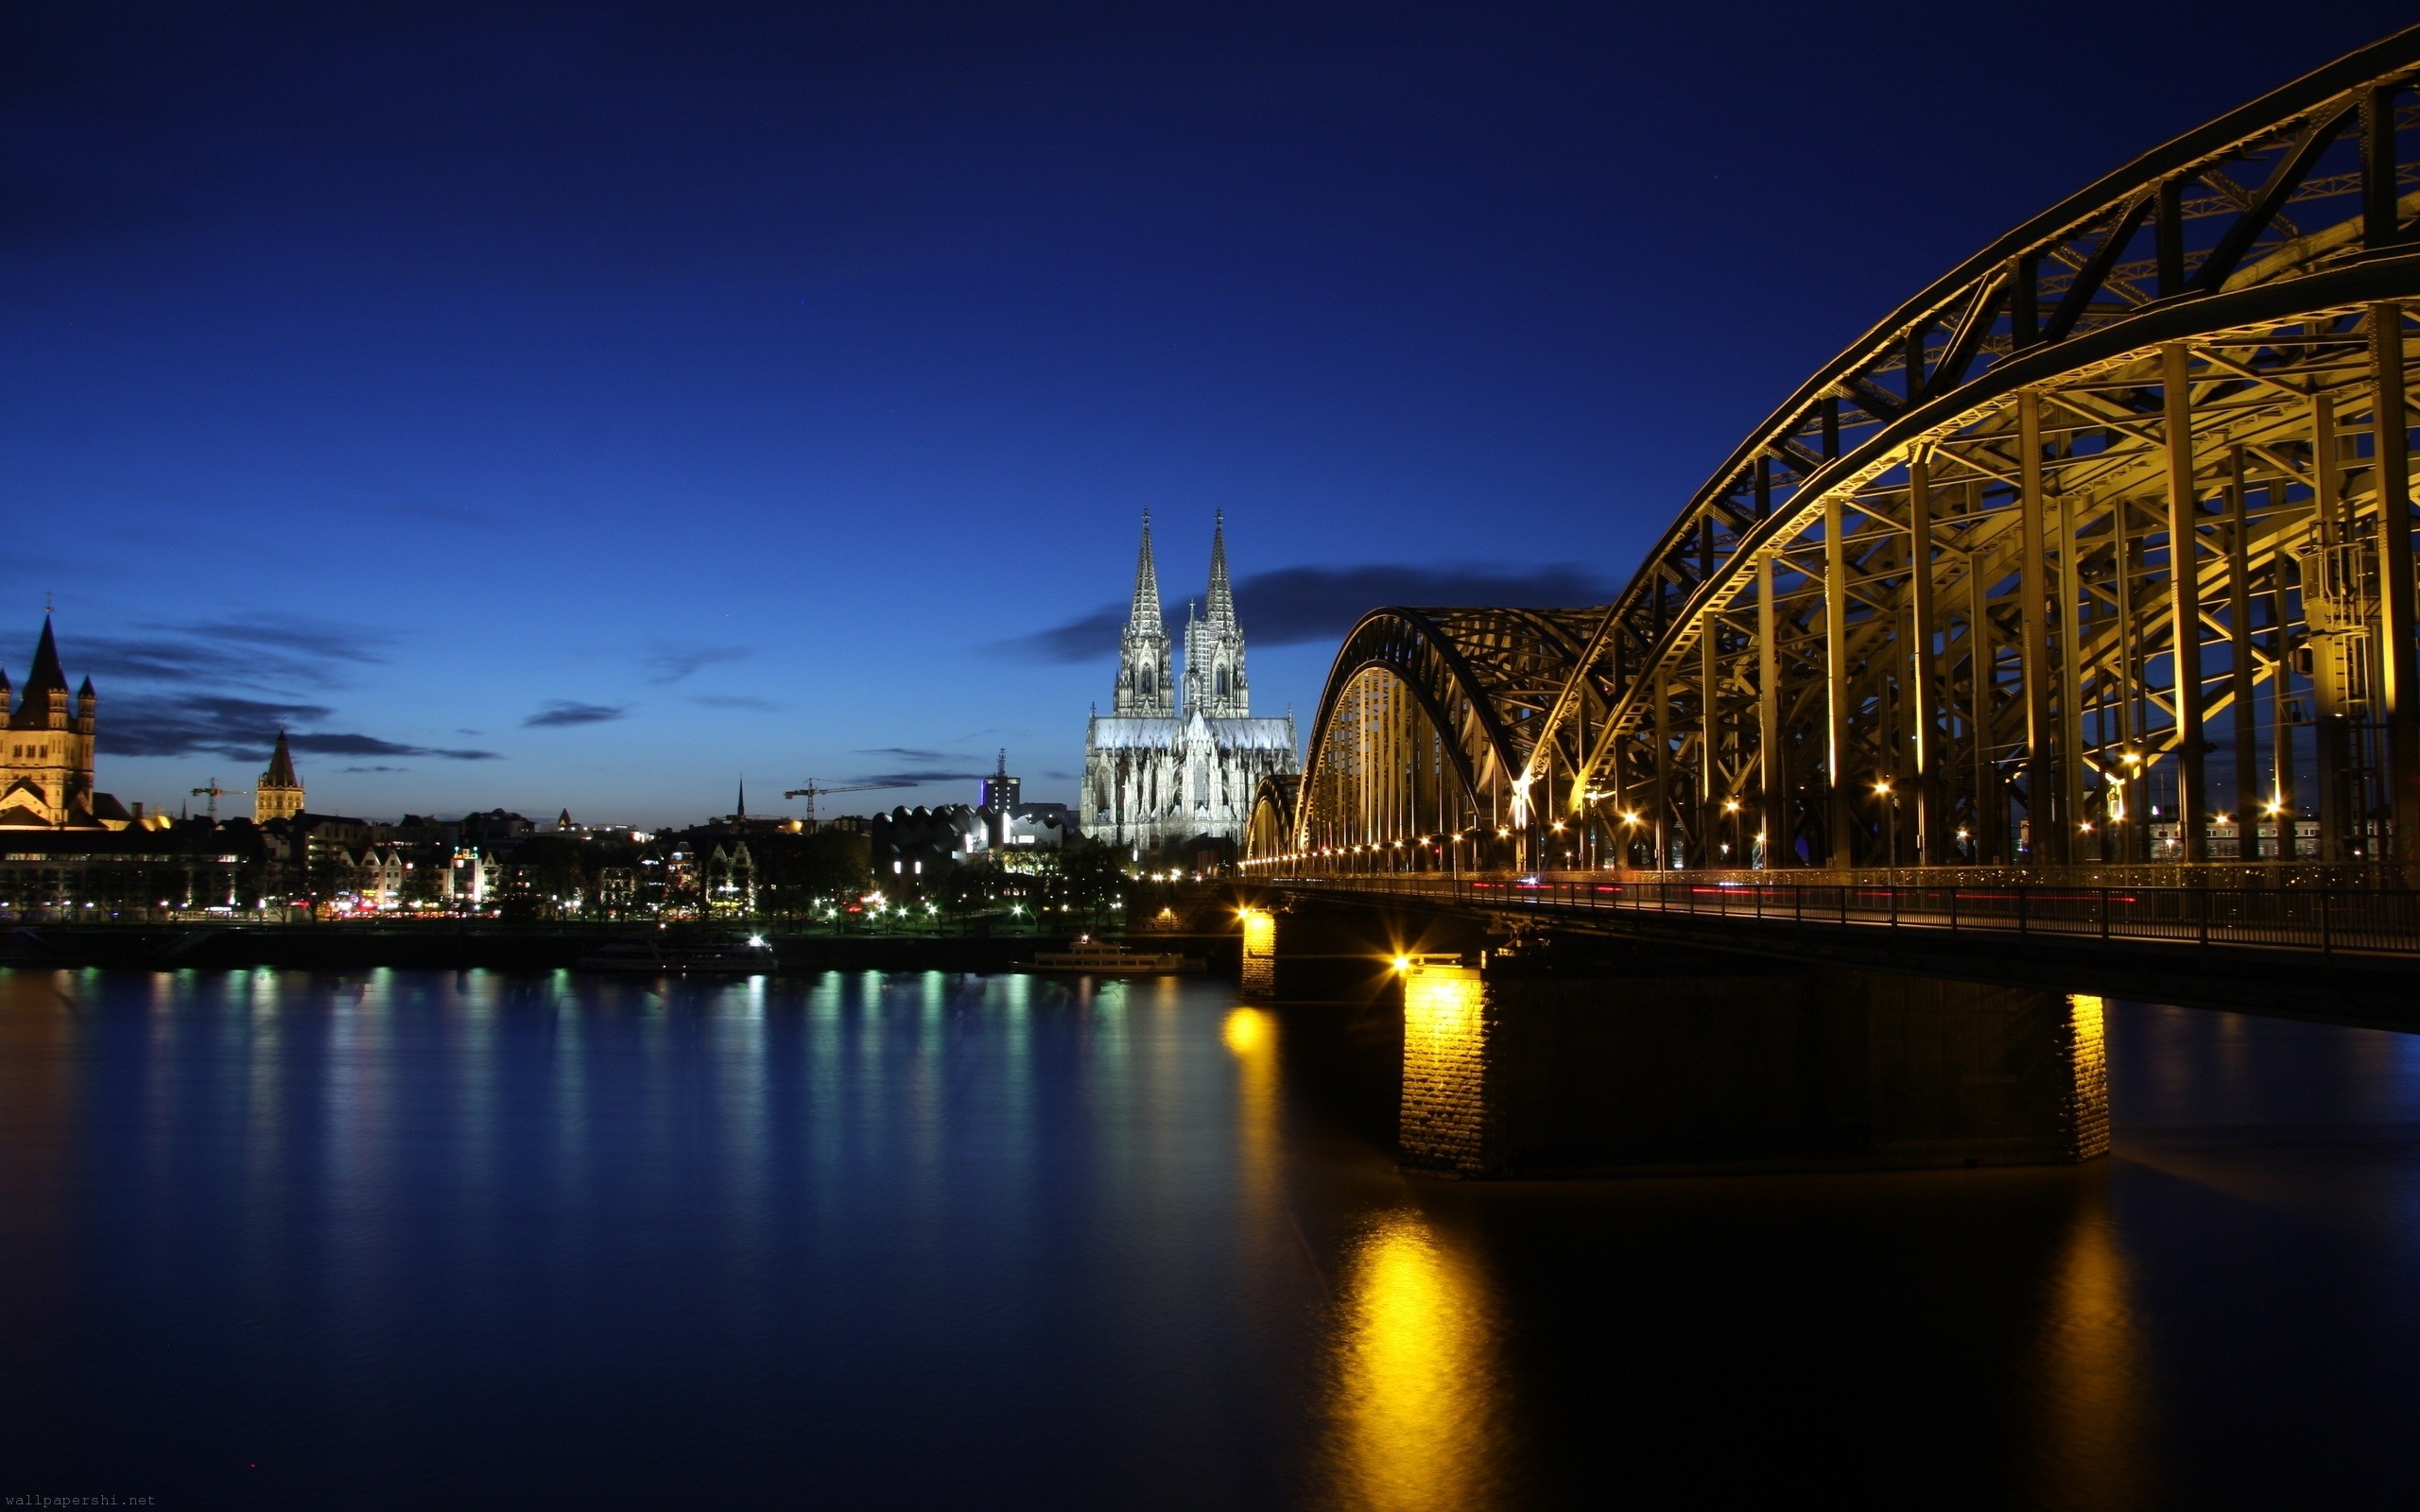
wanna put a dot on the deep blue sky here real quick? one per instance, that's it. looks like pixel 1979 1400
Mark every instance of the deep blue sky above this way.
pixel 587 406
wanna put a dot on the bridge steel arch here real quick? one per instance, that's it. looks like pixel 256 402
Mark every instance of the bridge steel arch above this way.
pixel 2095 550
pixel 1423 732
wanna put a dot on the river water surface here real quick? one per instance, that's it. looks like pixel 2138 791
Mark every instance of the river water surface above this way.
pixel 427 1240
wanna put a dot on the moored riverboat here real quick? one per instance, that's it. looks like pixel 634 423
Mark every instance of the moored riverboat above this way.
pixel 685 953
pixel 1100 957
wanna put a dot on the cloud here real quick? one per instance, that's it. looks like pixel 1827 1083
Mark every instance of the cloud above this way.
pixel 910 753
pixel 918 777
pixel 1082 639
pixel 241 730
pixel 731 701
pixel 265 652
pixel 373 768
pixel 328 744
pixel 1292 606
pixel 225 687
pixel 560 712
pixel 672 663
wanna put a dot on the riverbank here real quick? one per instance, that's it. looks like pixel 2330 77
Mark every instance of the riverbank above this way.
pixel 467 944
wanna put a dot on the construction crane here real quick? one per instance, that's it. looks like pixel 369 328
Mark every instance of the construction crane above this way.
pixel 814 790
pixel 214 792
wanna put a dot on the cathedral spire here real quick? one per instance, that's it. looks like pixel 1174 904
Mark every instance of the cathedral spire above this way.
pixel 1222 594
pixel 1145 614
pixel 1145 686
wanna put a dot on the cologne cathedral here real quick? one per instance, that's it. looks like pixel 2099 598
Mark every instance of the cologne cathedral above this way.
pixel 1172 763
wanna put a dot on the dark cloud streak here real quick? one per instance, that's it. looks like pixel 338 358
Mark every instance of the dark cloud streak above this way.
pixel 241 730
pixel 563 713
pixel 264 653
pixel 1294 606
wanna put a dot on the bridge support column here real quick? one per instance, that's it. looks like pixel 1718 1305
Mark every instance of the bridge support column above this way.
pixel 2047 836
pixel 1772 769
pixel 1839 851
pixel 2185 605
pixel 1669 1062
pixel 2399 669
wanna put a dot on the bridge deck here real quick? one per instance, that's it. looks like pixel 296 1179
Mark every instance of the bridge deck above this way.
pixel 2323 920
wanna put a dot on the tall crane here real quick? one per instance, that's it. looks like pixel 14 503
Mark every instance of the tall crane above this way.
pixel 814 790
pixel 214 792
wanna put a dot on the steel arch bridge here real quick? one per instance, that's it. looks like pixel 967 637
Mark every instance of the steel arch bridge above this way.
pixel 2095 551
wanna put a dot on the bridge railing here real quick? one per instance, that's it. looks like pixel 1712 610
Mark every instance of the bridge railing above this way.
pixel 2326 919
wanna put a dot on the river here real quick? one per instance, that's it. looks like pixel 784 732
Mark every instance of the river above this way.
pixel 428 1239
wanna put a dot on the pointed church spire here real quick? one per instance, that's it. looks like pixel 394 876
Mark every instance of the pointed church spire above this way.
pixel 45 676
pixel 742 812
pixel 1223 593
pixel 279 793
pixel 42 701
pixel 1144 687
pixel 1145 614
pixel 281 765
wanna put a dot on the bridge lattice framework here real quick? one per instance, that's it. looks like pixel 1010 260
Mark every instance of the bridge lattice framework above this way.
pixel 1930 611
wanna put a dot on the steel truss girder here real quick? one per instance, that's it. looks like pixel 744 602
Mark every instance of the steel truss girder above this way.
pixel 2011 302
pixel 2173 296
pixel 1481 680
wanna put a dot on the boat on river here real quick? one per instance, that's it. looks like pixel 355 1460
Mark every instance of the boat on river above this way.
pixel 685 953
pixel 1101 957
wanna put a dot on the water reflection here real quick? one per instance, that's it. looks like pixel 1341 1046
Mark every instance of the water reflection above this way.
pixel 1419 1400
pixel 915 1240
pixel 2094 1450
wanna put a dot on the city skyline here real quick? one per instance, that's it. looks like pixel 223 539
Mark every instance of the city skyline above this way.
pixel 592 411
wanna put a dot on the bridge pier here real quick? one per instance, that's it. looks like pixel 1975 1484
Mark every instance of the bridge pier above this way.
pixel 1307 952
pixel 1672 1061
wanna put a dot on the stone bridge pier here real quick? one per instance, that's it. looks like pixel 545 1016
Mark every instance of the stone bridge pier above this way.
pixel 1667 1062
pixel 1538 1054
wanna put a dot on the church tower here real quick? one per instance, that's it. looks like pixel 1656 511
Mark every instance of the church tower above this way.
pixel 46 763
pixel 1146 688
pixel 1214 644
pixel 278 795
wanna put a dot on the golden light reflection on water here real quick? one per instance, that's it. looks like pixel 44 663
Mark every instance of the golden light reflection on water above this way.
pixel 2097 1449
pixel 1251 1035
pixel 1418 1410
pixel 1246 1032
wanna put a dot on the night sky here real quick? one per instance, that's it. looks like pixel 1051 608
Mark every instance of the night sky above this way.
pixel 592 405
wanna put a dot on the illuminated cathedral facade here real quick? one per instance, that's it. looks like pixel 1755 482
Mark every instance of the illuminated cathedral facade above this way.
pixel 1176 760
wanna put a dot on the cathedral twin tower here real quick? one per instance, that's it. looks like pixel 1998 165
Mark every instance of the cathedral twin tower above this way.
pixel 1160 771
